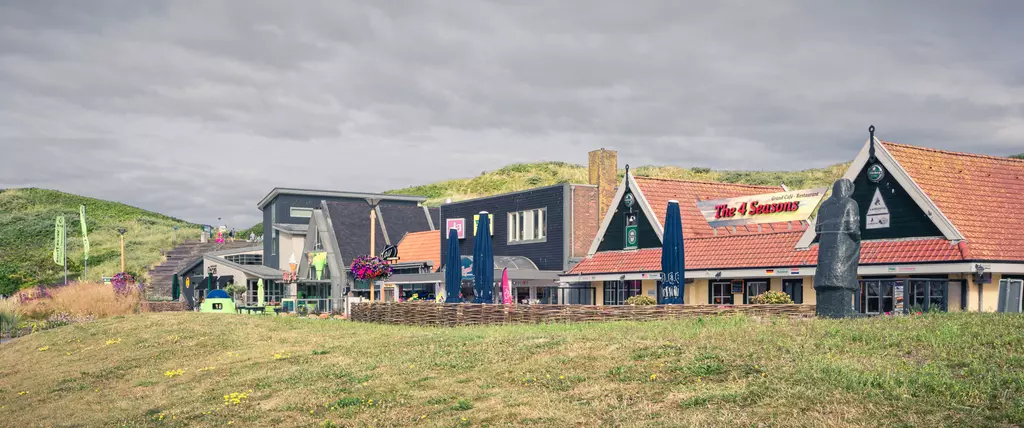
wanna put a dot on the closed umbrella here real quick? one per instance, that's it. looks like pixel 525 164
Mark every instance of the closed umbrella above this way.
pixel 672 260
pixel 506 288
pixel 259 292
pixel 175 288
pixel 483 262
pixel 453 269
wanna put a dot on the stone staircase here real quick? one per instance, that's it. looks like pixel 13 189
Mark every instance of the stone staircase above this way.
pixel 160 275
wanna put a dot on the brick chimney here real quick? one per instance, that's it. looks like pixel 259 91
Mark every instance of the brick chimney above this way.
pixel 603 167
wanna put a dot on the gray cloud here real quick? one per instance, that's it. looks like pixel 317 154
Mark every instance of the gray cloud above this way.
pixel 197 109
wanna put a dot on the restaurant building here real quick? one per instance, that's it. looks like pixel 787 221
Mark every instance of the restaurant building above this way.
pixel 939 232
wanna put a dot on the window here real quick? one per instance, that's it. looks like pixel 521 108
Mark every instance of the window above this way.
pixel 927 295
pixel 272 292
pixel 721 293
pixel 245 259
pixel 754 289
pixel 794 288
pixel 527 226
pixel 616 292
pixel 273 244
pixel 422 291
pixel 318 244
pixel 297 212
pixel 578 295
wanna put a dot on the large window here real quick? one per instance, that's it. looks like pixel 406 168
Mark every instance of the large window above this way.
pixel 422 291
pixel 927 294
pixel 528 226
pixel 616 292
pixel 721 293
pixel 245 259
pixel 577 295
pixel 272 292
pixel 755 288
pixel 300 212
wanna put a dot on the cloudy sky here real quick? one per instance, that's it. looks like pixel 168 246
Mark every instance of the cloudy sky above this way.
pixel 198 108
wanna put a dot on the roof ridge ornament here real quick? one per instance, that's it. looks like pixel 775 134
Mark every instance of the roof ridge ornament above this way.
pixel 871 142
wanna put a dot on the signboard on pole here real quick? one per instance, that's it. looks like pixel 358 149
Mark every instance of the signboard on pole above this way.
pixel 796 205
pixel 458 224
pixel 58 242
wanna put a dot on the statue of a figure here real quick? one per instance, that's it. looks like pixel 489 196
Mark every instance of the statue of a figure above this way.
pixel 838 228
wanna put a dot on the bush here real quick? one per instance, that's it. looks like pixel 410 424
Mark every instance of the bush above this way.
pixel 641 300
pixel 772 298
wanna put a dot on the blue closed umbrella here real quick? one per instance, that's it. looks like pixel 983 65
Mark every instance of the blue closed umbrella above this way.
pixel 483 261
pixel 453 269
pixel 672 260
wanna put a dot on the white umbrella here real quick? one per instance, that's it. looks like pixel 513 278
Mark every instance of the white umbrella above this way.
pixel 259 292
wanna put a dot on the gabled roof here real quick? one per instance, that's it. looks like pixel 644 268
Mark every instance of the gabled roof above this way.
pixel 421 247
pixel 981 195
pixel 335 194
pixel 765 250
pixel 351 225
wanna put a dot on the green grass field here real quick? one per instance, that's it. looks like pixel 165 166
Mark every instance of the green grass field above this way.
pixel 175 369
pixel 26 237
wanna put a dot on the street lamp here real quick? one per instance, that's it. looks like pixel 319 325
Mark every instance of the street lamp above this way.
pixel 122 231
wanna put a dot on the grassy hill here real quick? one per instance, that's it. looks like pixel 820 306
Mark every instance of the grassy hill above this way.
pixel 525 176
pixel 26 236
pixel 211 370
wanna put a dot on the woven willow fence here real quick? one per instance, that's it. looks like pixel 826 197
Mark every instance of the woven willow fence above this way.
pixel 434 314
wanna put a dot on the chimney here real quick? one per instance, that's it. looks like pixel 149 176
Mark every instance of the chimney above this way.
pixel 603 168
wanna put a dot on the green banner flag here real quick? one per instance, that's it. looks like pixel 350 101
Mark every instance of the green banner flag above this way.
pixel 58 242
pixel 85 233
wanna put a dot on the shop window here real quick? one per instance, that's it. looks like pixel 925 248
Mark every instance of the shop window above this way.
pixel 422 291
pixel 578 295
pixel 720 293
pixel 754 289
pixel 547 295
pixel 927 295
pixel 616 292
pixel 273 291
pixel 528 226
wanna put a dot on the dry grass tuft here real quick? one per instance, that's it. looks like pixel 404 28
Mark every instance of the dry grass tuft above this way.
pixel 82 299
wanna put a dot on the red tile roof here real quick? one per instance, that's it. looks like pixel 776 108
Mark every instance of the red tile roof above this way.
pixel 421 247
pixel 981 195
pixel 768 250
pixel 659 191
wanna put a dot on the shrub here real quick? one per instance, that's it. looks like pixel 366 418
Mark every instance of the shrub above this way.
pixel 641 300
pixel 772 298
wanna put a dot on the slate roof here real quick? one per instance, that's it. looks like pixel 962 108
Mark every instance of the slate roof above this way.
pixel 659 191
pixel 420 247
pixel 981 195
pixel 351 222
pixel 768 250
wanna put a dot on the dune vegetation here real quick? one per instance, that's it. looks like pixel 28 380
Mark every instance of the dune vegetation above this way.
pixel 194 369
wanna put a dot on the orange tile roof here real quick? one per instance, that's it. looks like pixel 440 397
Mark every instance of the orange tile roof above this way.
pixel 659 191
pixel 421 247
pixel 981 195
pixel 767 250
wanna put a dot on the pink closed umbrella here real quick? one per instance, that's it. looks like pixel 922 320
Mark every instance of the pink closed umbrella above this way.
pixel 506 288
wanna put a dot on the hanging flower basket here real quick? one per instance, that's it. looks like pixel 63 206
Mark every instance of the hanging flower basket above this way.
pixel 370 268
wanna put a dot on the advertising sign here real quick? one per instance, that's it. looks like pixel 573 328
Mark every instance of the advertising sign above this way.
pixel 58 242
pixel 898 298
pixel 795 205
pixel 458 224
pixel 632 237
pixel 476 222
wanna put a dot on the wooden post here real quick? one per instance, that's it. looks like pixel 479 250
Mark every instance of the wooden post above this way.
pixel 122 251
pixel 373 236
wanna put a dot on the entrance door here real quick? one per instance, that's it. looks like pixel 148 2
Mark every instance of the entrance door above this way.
pixel 955 301
pixel 794 288
pixel 1010 291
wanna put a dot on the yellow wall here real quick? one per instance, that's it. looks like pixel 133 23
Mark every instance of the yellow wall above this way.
pixel 649 288
pixel 990 294
pixel 599 287
pixel 810 298
pixel 697 293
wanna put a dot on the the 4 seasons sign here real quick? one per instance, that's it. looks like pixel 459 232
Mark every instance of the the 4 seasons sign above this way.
pixel 632 238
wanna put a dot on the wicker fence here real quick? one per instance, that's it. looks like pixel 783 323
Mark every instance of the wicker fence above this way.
pixel 434 314
pixel 154 306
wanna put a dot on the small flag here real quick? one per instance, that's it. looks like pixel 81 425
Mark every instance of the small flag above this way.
pixel 85 233
pixel 769 271
pixel 794 271
pixel 58 242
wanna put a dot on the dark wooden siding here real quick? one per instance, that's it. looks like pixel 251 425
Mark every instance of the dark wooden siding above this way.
pixel 614 238
pixel 548 255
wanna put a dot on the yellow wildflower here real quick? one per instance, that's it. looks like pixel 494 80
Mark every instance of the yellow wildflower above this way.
pixel 44 348
pixel 561 377
pixel 654 376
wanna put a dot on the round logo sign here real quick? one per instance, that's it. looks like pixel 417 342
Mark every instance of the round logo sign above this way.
pixel 628 199
pixel 876 173
pixel 631 237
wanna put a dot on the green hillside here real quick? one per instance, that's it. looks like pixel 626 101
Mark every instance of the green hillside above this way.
pixel 525 176
pixel 26 236
pixel 1018 156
